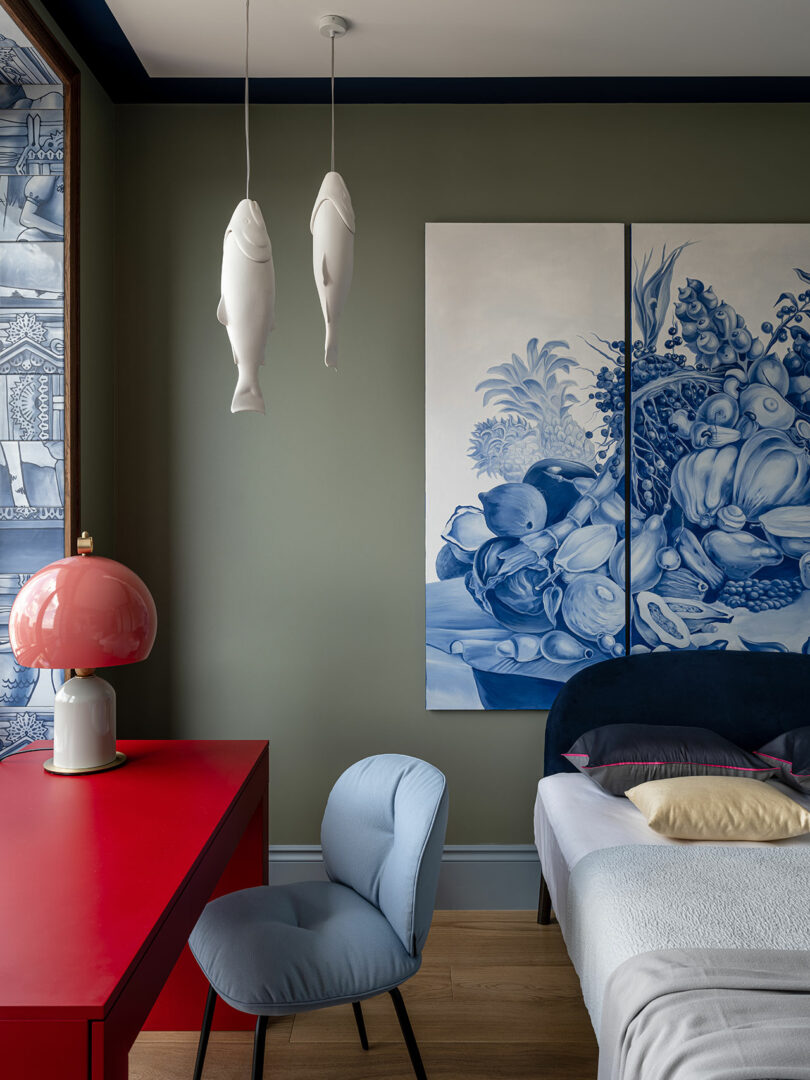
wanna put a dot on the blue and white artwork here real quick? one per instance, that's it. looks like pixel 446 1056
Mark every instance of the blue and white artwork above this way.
pixel 720 444
pixel 32 207
pixel 524 459
pixel 20 62
pixel 32 360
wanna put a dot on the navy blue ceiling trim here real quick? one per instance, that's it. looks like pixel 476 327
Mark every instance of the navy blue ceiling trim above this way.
pixel 473 91
pixel 92 29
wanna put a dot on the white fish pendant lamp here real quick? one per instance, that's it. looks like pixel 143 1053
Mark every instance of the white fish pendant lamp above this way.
pixel 247 304
pixel 332 226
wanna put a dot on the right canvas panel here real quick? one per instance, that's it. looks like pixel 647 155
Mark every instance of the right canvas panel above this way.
pixel 719 477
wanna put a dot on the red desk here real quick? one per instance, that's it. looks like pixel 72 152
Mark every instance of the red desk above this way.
pixel 102 878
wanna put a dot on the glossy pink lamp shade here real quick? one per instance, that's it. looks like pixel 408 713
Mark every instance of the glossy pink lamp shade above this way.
pixel 82 612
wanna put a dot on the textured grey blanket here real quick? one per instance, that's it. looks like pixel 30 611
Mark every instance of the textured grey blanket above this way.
pixel 624 901
pixel 723 1014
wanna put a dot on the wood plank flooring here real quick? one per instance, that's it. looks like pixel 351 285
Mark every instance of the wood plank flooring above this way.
pixel 496 999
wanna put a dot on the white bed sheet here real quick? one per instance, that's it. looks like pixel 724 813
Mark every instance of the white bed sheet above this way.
pixel 573 816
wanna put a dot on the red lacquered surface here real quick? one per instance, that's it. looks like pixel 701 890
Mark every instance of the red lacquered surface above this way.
pixel 82 612
pixel 30 1050
pixel 103 878
pixel 180 1005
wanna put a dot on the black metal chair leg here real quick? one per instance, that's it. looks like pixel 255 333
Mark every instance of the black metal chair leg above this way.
pixel 258 1048
pixel 361 1024
pixel 205 1031
pixel 408 1035
pixel 544 903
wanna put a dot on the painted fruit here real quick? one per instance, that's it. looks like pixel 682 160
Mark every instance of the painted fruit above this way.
pixel 514 509
pixel 668 558
pixel 696 614
pixel 770 371
pixel 553 479
pixel 769 408
pixel 465 531
pixel 658 624
pixel 788 528
pixel 694 557
pixel 770 471
pixel 682 583
pixel 730 518
pixel 448 566
pixel 593 604
pixel 562 648
pixel 702 483
pixel 739 555
pixel 521 647
pixel 586 548
pixel 719 409
pixel 645 570
pixel 516 598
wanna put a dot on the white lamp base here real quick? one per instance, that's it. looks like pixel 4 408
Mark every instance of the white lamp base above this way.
pixel 84 727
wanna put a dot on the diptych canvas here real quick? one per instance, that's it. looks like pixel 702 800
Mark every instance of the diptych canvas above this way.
pixel 32 367
pixel 720 450
pixel 532 516
pixel 524 466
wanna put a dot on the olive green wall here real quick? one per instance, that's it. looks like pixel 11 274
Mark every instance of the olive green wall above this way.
pixel 286 553
pixel 97 361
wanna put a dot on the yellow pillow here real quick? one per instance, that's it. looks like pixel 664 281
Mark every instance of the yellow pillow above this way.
pixel 719 808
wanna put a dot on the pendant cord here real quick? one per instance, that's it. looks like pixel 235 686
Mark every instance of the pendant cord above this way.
pixel 333 102
pixel 247 112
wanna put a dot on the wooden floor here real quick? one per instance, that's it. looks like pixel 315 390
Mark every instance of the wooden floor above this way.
pixel 496 999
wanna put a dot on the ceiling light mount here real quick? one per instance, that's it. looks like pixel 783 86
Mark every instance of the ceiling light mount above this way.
pixel 333 26
pixel 332 222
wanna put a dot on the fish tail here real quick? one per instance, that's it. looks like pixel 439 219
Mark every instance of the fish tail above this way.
pixel 247 398
pixel 330 355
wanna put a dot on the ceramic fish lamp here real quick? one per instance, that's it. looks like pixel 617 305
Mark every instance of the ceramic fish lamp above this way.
pixel 246 306
pixel 248 292
pixel 332 226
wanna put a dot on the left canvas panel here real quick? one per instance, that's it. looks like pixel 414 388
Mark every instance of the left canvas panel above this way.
pixel 524 397
pixel 32 360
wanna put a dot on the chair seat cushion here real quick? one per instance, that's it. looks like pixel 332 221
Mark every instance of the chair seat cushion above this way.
pixel 282 949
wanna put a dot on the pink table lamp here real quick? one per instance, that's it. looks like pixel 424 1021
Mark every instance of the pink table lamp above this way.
pixel 84 613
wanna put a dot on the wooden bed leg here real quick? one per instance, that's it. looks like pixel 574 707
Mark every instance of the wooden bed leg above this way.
pixel 544 903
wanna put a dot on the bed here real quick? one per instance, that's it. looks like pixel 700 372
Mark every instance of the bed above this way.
pixel 694 958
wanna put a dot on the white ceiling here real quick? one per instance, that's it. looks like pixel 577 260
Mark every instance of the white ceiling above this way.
pixel 442 38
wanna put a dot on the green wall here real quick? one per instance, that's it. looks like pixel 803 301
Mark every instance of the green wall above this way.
pixel 286 553
pixel 97 360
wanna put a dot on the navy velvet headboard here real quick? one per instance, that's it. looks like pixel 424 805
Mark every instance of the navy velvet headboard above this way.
pixel 748 697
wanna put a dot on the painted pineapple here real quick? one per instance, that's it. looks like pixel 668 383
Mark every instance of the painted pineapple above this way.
pixel 538 423
pixel 506 447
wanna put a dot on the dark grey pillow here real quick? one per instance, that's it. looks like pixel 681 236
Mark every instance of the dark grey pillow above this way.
pixel 619 756
pixel 790 755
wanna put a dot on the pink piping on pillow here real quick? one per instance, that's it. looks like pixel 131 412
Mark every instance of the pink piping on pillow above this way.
pixel 784 761
pixel 772 758
pixel 697 764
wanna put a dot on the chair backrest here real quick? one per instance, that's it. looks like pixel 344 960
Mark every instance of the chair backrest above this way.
pixel 383 835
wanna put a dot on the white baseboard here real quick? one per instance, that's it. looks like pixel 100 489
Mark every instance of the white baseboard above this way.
pixel 489 877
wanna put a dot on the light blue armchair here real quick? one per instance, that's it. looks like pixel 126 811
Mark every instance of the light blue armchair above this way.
pixel 276 950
